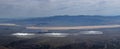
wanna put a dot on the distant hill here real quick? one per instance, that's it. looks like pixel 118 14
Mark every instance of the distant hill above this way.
pixel 82 20
pixel 7 20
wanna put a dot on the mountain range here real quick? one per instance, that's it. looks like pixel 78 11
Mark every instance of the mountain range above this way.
pixel 81 20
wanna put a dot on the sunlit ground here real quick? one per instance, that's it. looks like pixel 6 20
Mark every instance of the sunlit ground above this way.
pixel 30 35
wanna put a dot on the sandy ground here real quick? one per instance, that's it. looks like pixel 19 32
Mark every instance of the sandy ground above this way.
pixel 74 27
pixel 8 24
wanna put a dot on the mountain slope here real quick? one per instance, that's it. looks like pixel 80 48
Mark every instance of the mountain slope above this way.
pixel 80 20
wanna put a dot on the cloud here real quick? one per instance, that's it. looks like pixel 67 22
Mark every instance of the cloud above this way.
pixel 40 8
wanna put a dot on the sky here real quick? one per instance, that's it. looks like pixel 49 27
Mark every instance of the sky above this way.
pixel 45 8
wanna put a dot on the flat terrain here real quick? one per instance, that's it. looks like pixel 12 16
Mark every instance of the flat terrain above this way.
pixel 110 38
pixel 74 27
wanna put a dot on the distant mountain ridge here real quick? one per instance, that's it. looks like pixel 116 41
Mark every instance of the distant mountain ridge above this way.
pixel 81 20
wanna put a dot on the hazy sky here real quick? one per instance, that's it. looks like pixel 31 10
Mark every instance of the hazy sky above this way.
pixel 41 8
